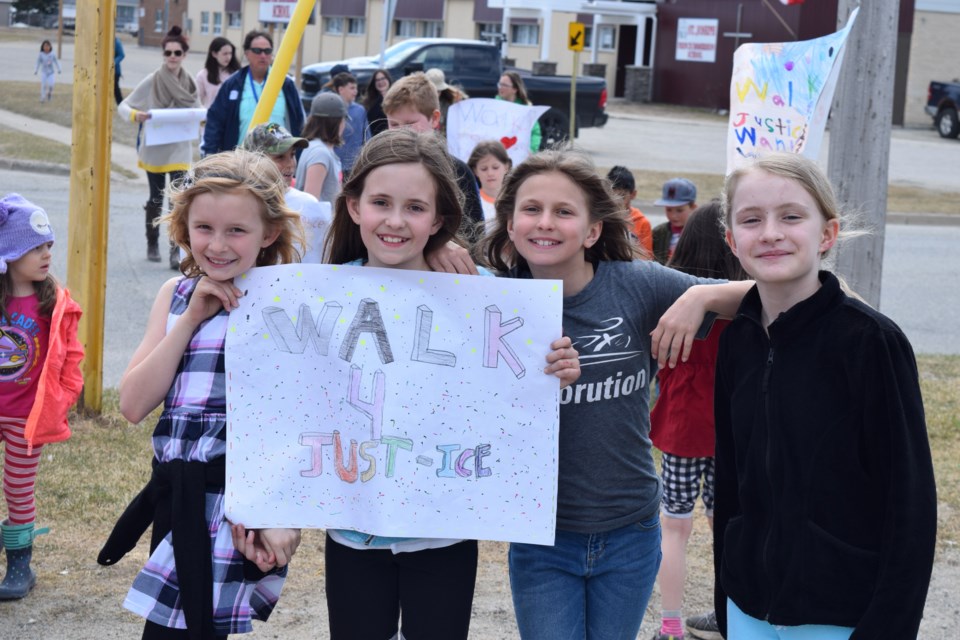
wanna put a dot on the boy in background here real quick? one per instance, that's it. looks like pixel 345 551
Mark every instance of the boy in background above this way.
pixel 412 102
pixel 625 188
pixel 679 199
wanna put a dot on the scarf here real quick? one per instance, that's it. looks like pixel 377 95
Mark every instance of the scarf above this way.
pixel 172 92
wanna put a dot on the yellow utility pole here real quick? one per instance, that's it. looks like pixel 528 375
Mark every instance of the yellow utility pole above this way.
pixel 90 183
pixel 281 64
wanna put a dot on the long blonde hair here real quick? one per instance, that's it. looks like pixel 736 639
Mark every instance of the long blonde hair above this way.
pixel 238 171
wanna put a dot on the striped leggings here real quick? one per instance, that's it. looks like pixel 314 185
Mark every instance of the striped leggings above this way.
pixel 19 471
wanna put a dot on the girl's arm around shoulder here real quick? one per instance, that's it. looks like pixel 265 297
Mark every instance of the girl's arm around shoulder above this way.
pixel 154 364
pixel 673 337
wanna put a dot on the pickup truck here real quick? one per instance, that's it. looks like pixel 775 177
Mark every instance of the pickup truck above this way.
pixel 943 103
pixel 475 67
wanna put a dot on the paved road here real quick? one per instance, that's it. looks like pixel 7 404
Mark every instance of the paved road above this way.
pixel 918 291
pixel 917 156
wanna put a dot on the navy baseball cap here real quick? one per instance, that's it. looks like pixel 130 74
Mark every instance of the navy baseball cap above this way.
pixel 677 192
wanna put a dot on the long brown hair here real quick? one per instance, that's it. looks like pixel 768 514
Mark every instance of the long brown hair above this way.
pixel 396 146
pixel 519 86
pixel 232 172
pixel 498 251
pixel 45 290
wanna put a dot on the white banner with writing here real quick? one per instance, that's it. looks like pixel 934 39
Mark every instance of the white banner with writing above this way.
pixel 393 402
pixel 478 119
pixel 780 96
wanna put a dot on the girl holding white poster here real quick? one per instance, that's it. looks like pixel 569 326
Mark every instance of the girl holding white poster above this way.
pixel 401 201
pixel 229 216
pixel 558 219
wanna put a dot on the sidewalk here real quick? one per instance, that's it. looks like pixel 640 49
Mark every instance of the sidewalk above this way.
pixel 120 154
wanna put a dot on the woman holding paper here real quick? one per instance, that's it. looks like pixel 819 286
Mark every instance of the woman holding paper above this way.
pixel 169 87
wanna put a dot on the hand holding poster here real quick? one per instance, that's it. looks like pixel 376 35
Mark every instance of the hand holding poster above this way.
pixel 780 96
pixel 172 125
pixel 393 402
pixel 477 119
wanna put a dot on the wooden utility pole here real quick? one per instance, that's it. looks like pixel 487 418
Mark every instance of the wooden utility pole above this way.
pixel 860 137
pixel 90 183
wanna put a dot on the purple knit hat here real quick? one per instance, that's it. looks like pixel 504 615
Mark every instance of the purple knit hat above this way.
pixel 23 227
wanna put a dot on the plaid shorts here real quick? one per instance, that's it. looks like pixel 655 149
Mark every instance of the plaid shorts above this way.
pixel 681 485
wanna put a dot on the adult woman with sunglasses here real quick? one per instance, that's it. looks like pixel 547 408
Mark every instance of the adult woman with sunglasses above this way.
pixel 228 118
pixel 169 87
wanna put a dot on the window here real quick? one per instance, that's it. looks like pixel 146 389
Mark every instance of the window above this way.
pixel 333 26
pixel 204 22
pixel 217 23
pixel 439 56
pixel 234 19
pixel 405 28
pixel 525 34
pixel 607 37
pixel 357 26
pixel 158 20
pixel 489 31
pixel 432 28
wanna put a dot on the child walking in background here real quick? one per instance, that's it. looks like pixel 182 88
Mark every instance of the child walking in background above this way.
pixel 40 376
pixel 46 63
pixel 556 218
pixel 681 423
pixel 491 164
pixel 625 188
pixel 402 200
pixel 826 509
pixel 228 215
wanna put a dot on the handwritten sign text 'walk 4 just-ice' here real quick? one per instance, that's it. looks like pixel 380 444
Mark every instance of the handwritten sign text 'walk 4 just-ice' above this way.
pixel 780 96
pixel 393 402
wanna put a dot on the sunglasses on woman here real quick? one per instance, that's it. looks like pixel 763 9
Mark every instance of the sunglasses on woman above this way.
pixel 172 52
pixel 258 51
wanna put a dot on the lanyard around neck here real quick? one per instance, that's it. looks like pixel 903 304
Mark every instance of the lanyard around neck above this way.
pixel 253 87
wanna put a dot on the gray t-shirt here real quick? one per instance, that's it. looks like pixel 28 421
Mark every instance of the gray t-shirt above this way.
pixel 607 476
pixel 319 153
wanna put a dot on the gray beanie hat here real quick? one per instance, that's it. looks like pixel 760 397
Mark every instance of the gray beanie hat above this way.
pixel 23 227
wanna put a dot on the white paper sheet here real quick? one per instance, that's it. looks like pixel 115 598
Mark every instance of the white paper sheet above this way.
pixel 172 125
pixel 399 403
pixel 478 119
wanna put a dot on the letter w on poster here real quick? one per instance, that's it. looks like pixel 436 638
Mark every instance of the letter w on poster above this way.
pixel 780 96
pixel 172 125
pixel 393 402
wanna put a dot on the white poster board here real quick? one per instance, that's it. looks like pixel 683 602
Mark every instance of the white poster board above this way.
pixel 172 125
pixel 697 39
pixel 393 402
pixel 478 119
pixel 780 96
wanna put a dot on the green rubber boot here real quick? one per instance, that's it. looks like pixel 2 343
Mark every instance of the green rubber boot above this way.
pixel 20 578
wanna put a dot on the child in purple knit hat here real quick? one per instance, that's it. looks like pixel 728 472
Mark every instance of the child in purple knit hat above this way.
pixel 40 376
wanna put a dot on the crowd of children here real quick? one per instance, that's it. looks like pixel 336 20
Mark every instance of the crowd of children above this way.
pixel 796 418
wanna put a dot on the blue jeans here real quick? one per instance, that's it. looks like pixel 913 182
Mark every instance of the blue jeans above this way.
pixel 587 586
pixel 740 626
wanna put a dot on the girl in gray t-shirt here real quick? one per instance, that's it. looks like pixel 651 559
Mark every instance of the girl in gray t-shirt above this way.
pixel 319 171
pixel 557 218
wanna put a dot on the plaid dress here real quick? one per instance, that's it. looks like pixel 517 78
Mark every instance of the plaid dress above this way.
pixel 193 428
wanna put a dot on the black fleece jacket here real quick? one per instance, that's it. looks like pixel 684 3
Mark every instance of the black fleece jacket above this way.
pixel 825 497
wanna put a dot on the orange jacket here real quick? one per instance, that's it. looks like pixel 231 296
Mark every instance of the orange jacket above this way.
pixel 643 231
pixel 60 380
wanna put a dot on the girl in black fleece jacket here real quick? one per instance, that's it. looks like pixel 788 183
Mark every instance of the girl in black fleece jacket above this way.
pixel 825 500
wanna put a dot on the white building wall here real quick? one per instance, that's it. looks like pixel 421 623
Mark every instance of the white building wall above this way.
pixel 934 55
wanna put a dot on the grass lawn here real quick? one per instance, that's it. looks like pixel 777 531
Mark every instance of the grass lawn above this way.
pixel 84 484
pixel 24 146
